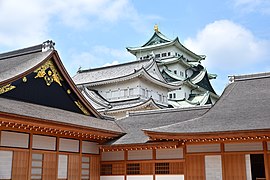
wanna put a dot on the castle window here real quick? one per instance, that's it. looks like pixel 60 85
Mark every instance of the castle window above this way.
pixel 131 92
pixel 181 73
pixel 164 54
pixel 162 168
pixel 170 96
pixel 143 92
pixel 106 169
pixel 157 56
pixel 175 71
pixel 169 53
pixel 174 95
pixel 133 168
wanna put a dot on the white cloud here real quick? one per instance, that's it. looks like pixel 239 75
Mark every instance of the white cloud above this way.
pixel 230 49
pixel 228 46
pixel 28 22
pixel 96 57
pixel 249 6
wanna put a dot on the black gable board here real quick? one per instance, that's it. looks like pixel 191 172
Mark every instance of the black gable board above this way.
pixel 47 90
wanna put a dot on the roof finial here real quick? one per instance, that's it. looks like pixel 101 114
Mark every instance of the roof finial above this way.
pixel 156 28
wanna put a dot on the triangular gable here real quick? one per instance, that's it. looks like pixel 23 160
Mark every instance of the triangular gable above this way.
pixel 47 84
pixel 157 38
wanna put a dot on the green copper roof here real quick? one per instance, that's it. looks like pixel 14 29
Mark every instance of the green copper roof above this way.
pixel 157 38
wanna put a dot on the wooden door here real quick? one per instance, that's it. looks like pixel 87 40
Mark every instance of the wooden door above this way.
pixel 195 167
pixel 74 164
pixel 49 166
pixel 20 165
pixel 95 168
pixel 234 167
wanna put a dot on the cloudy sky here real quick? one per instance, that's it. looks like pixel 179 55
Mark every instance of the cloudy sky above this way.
pixel 233 34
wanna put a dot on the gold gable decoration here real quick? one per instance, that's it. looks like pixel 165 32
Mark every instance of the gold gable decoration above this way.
pixel 49 72
pixel 82 108
pixel 6 88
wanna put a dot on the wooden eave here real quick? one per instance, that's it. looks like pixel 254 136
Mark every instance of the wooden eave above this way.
pixel 211 137
pixel 140 146
pixel 50 127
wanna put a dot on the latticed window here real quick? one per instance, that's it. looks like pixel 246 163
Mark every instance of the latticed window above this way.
pixel 36 171
pixel 85 168
pixel 106 169
pixel 162 168
pixel 133 168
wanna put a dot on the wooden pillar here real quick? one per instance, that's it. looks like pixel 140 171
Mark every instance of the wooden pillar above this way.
pixel 266 161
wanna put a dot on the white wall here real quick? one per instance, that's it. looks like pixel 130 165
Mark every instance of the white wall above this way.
pixel 112 177
pixel 248 167
pixel 203 148
pixel 169 177
pixel 44 142
pixel 112 156
pixel 213 167
pixel 257 146
pixel 14 139
pixel 142 177
pixel 5 164
pixel 176 153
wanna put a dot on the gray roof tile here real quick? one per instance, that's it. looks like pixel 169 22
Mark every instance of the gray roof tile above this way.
pixel 137 121
pixel 244 105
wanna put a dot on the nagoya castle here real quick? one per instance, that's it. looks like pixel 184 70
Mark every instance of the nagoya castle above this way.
pixel 165 74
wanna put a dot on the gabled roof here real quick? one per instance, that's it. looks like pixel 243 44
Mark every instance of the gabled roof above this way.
pixel 243 106
pixel 120 73
pixel 37 75
pixel 158 40
pixel 137 121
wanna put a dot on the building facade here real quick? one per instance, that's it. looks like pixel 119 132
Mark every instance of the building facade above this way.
pixel 164 71
pixel 48 130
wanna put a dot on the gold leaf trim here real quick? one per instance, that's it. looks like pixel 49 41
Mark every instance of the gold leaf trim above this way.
pixel 6 88
pixel 82 108
pixel 49 72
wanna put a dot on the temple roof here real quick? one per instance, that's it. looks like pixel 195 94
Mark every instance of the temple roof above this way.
pixel 49 114
pixel 37 75
pixel 122 72
pixel 243 106
pixel 137 121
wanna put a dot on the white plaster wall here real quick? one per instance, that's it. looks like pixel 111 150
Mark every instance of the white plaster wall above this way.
pixel 62 166
pixel 112 177
pixel 142 177
pixel 256 146
pixel 213 167
pixel 268 145
pixel 44 142
pixel 178 67
pixel 248 167
pixel 169 177
pixel 14 139
pixel 112 156
pixel 70 145
pixel 5 164
pixel 90 147
pixel 176 153
pixel 203 148
pixel 140 155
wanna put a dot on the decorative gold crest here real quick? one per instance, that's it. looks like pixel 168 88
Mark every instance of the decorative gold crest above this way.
pixel 82 108
pixel 49 73
pixel 6 88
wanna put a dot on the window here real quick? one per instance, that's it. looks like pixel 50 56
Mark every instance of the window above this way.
pixel 162 168
pixel 174 95
pixel 36 171
pixel 85 168
pixel 169 53
pixel 133 168
pixel 181 73
pixel 131 92
pixel 176 54
pixel 160 97
pixel 175 71
pixel 157 56
pixel 143 92
pixel 106 169
pixel 147 93
pixel 108 94
pixel 115 94
pixel 164 54
pixel 170 96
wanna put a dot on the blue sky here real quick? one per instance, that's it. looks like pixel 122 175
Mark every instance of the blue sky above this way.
pixel 233 34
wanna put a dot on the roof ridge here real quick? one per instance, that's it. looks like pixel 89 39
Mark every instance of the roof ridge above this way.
pixel 110 66
pixel 168 110
pixel 20 52
pixel 245 77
